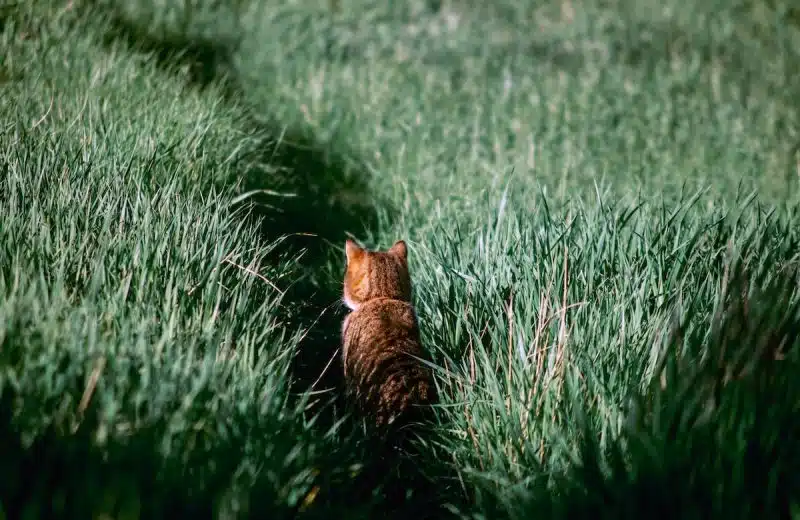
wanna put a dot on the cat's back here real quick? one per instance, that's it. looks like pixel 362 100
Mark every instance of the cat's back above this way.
pixel 383 322
pixel 382 346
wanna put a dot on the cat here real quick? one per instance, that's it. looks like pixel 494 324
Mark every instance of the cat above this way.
pixel 381 339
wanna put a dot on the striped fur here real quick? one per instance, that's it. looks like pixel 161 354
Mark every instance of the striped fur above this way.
pixel 380 337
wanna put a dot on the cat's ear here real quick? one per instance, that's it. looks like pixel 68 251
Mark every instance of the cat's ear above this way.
pixel 399 249
pixel 352 251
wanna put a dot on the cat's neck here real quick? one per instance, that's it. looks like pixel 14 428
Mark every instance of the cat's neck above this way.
pixel 354 306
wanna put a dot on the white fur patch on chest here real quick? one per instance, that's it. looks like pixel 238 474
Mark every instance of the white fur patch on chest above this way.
pixel 353 306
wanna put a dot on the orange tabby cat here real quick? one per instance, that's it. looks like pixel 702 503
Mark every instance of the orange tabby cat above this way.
pixel 380 337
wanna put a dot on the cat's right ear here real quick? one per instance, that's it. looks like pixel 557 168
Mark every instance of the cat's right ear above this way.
pixel 399 249
pixel 352 251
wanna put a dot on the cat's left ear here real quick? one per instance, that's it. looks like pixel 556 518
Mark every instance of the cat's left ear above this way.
pixel 352 251
pixel 399 249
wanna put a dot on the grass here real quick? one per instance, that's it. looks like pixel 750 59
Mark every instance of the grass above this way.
pixel 600 201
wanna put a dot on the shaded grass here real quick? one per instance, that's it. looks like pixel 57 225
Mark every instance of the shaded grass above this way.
pixel 152 221
pixel 305 193
pixel 176 184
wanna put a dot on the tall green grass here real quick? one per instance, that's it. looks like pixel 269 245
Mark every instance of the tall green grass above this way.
pixel 600 202
pixel 547 361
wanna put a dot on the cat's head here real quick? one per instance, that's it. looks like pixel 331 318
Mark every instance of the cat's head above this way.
pixel 376 274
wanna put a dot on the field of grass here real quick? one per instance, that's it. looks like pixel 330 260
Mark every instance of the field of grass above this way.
pixel 600 200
